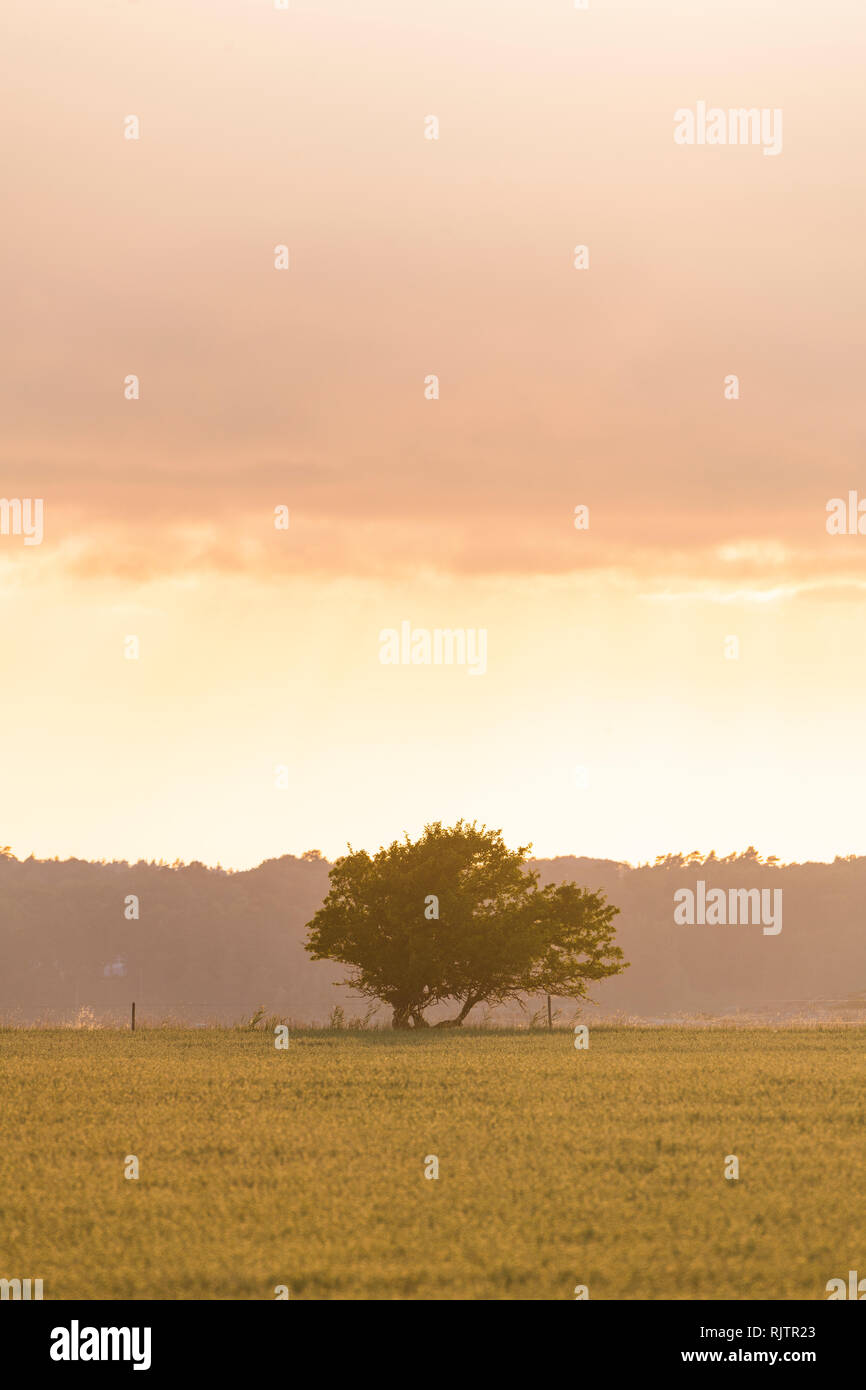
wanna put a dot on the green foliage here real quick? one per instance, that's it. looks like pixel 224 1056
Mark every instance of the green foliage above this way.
pixel 496 934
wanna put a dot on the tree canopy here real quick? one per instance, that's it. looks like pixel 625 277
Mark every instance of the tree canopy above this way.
pixel 457 917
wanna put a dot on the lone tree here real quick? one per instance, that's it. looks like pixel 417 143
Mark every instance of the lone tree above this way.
pixel 456 916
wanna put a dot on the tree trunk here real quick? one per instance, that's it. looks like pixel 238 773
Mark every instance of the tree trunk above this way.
pixel 458 1021
pixel 408 1016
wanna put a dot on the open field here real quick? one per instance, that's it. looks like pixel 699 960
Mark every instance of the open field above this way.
pixel 557 1167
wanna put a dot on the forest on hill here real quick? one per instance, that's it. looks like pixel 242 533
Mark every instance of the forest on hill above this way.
pixel 210 944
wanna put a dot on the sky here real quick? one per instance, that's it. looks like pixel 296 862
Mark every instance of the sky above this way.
pixel 615 717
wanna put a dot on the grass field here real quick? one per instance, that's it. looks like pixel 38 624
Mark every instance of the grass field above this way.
pixel 557 1167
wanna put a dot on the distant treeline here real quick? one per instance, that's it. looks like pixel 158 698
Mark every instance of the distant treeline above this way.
pixel 213 944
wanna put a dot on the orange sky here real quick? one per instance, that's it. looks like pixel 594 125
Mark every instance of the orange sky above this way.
pixel 306 388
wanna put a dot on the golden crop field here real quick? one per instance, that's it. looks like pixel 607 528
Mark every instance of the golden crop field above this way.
pixel 557 1167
